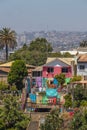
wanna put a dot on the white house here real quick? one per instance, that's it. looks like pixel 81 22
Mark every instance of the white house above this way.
pixel 82 66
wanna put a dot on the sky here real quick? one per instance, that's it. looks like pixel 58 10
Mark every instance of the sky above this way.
pixel 47 15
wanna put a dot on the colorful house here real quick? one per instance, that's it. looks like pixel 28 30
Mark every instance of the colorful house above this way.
pixel 56 66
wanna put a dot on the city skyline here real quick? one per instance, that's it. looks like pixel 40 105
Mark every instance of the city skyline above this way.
pixel 47 15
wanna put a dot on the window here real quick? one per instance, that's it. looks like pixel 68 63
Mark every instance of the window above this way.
pixel 36 73
pixel 64 70
pixel 50 70
pixel 82 67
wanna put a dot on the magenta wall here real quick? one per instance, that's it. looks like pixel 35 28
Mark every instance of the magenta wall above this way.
pixel 57 70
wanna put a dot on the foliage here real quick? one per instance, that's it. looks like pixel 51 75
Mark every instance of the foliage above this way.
pixel 79 95
pixel 17 73
pixel 84 103
pixel 67 54
pixel 76 78
pixel 68 100
pixel 55 54
pixel 83 43
pixel 79 121
pixel 53 121
pixel 60 78
pixel 58 54
pixel 13 88
pixel 40 44
pixel 3 86
pixel 7 39
pixel 11 117
pixel 36 53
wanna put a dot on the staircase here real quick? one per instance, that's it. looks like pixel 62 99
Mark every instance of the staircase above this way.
pixel 34 125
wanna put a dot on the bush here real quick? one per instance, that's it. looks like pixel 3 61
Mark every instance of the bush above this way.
pixel 76 78
pixel 3 86
pixel 13 88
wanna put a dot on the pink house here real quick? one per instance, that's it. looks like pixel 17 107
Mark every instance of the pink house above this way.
pixel 56 66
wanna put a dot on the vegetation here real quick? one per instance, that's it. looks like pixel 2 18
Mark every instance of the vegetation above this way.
pixel 83 43
pixel 68 101
pixel 79 121
pixel 7 39
pixel 79 95
pixel 3 86
pixel 11 117
pixel 76 78
pixel 60 78
pixel 36 53
pixel 17 73
pixel 53 121
pixel 58 54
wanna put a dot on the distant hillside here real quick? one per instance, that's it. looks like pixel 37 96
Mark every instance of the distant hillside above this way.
pixel 59 40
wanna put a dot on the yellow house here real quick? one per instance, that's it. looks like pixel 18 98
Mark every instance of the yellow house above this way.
pixel 5 68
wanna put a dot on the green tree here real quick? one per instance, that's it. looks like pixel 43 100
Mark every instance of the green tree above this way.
pixel 11 117
pixel 36 53
pixel 7 39
pixel 55 54
pixel 68 100
pixel 79 95
pixel 3 86
pixel 67 54
pixel 60 78
pixel 76 78
pixel 83 43
pixel 17 73
pixel 53 121
pixel 40 44
pixel 79 121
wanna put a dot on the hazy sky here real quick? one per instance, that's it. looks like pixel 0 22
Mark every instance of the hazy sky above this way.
pixel 33 15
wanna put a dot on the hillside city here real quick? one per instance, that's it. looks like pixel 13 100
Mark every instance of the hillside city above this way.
pixel 59 40
pixel 42 88
pixel 43 64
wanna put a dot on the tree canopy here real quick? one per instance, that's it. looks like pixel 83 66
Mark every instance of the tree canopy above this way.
pixel 79 121
pixel 11 117
pixel 53 121
pixel 68 100
pixel 60 78
pixel 36 53
pixel 83 43
pixel 17 73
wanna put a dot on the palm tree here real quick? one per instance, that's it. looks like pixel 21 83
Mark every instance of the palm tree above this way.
pixel 7 39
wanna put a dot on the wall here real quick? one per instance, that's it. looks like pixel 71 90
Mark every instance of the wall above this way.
pixel 82 72
pixel 57 70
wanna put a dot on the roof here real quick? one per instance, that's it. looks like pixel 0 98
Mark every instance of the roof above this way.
pixel 64 60
pixel 82 58
pixel 9 64
pixel 39 68
pixel 5 69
